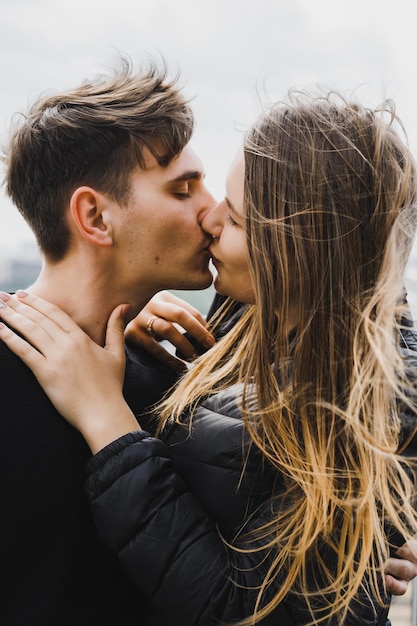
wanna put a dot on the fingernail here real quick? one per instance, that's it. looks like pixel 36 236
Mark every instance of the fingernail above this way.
pixel 4 296
pixel 209 341
pixel 21 294
pixel 179 366
pixel 2 304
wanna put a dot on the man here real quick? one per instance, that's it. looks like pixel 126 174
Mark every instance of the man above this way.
pixel 115 196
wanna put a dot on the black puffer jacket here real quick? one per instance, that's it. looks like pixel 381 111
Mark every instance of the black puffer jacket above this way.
pixel 142 494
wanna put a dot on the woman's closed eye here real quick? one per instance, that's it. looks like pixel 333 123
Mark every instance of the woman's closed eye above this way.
pixel 230 219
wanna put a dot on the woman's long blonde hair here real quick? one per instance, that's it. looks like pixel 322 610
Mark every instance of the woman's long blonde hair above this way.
pixel 330 200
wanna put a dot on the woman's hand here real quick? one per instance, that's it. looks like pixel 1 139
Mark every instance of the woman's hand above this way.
pixel 83 380
pixel 400 571
pixel 166 317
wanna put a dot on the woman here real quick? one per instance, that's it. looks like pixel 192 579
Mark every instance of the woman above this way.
pixel 288 429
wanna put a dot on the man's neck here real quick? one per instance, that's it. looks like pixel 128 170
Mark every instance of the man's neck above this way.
pixel 84 296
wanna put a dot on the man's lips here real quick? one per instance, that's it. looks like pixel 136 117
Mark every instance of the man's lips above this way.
pixel 205 248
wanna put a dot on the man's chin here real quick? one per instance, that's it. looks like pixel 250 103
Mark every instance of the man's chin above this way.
pixel 200 283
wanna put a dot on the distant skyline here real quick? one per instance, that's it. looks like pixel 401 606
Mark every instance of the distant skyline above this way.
pixel 232 54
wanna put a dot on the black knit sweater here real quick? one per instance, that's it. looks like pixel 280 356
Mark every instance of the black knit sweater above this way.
pixel 54 571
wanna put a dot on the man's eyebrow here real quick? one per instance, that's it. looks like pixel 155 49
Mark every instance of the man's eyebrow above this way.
pixel 191 175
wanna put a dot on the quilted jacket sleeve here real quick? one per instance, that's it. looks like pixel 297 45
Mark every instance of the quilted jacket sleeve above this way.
pixel 165 541
pixel 171 549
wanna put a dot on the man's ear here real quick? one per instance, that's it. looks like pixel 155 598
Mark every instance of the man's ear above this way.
pixel 89 212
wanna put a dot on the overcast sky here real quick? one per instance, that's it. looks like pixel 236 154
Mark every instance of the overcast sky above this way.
pixel 232 54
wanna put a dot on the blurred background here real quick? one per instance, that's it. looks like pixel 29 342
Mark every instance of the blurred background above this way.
pixel 233 56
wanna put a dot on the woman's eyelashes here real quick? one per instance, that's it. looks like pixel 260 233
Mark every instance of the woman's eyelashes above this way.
pixel 229 218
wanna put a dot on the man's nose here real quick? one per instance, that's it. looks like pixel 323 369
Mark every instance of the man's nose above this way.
pixel 213 221
pixel 207 205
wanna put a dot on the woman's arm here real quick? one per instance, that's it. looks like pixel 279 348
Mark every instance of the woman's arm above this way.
pixel 171 549
pixel 164 540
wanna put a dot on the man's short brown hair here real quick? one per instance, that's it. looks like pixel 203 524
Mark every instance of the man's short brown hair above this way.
pixel 92 135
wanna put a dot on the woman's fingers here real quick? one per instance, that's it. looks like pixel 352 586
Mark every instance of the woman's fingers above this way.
pixel 136 333
pixel 64 358
pixel 409 551
pixel 402 568
pixel 44 325
pixel 25 351
pixel 40 311
pixel 161 303
pixel 34 344
pixel 398 573
pixel 177 319
pixel 396 586
pixel 20 319
pixel 167 317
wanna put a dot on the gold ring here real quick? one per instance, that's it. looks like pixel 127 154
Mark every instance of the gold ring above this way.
pixel 150 324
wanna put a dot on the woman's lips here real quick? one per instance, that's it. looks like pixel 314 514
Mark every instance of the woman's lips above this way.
pixel 214 260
